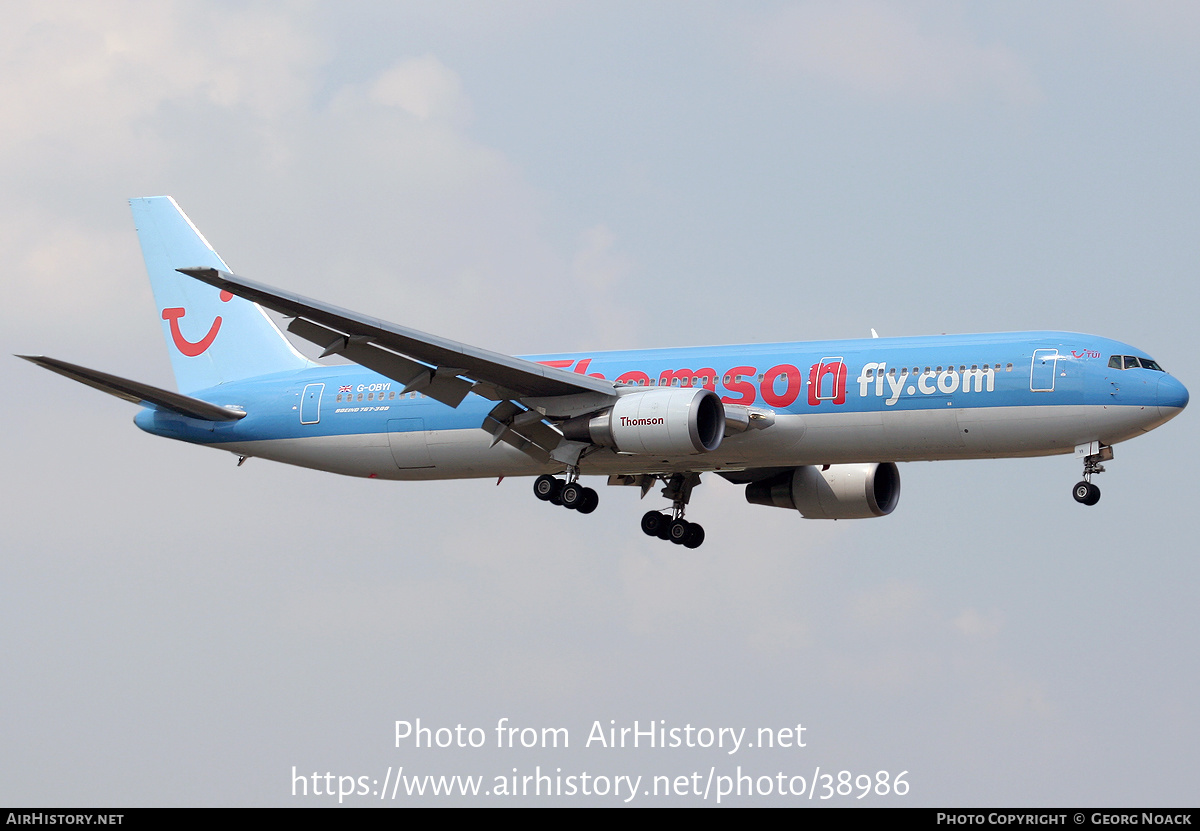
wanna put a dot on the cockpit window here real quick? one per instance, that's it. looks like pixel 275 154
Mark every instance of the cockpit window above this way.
pixel 1133 362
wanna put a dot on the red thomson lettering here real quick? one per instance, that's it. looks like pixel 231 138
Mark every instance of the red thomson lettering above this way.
pixel 836 368
pixel 687 378
pixel 744 387
pixel 634 377
pixel 790 393
pixel 582 367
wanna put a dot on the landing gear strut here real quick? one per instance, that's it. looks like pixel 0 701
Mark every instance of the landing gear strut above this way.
pixel 570 494
pixel 673 526
pixel 1085 492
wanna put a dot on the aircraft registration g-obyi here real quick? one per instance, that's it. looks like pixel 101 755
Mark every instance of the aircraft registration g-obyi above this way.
pixel 814 427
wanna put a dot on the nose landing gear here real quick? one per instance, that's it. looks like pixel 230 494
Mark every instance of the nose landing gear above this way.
pixel 1093 453
pixel 1086 493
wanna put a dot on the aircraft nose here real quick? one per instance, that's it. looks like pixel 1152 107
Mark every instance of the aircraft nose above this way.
pixel 1172 396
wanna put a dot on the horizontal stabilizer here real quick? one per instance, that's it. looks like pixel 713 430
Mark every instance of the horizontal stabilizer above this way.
pixel 138 393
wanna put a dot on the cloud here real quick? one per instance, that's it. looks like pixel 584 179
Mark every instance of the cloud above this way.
pixel 238 114
pixel 890 606
pixel 891 51
pixel 84 75
pixel 975 624
pixel 1163 23
pixel 67 270
pixel 598 273
pixel 102 98
pixel 424 87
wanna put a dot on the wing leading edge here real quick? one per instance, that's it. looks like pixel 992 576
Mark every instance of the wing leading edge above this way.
pixel 440 368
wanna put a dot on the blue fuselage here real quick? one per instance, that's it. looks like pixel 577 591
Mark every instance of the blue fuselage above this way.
pixel 885 399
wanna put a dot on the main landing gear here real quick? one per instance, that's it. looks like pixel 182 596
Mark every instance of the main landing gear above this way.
pixel 673 526
pixel 1085 492
pixel 666 525
pixel 570 494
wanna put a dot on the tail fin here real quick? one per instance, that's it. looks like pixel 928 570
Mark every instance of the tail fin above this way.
pixel 213 337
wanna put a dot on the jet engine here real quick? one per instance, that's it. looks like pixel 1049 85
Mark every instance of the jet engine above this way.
pixel 663 422
pixel 832 491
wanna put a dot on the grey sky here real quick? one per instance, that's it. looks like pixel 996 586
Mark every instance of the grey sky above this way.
pixel 533 177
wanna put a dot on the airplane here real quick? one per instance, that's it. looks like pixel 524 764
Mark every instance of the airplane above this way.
pixel 815 427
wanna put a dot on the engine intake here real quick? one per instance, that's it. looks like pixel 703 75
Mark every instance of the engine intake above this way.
pixel 661 422
pixel 831 492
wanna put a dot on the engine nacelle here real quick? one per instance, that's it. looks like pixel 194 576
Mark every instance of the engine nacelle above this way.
pixel 833 492
pixel 661 422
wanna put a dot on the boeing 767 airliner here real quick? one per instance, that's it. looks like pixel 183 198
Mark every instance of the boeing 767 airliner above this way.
pixel 815 427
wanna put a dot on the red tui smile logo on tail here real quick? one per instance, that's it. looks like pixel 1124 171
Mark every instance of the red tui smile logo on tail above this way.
pixel 184 345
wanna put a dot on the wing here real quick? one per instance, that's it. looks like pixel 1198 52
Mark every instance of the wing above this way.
pixel 137 392
pixel 440 368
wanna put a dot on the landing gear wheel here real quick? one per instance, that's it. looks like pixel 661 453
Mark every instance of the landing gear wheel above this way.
pixel 545 486
pixel 652 521
pixel 589 502
pixel 671 525
pixel 571 495
pixel 677 531
pixel 1086 493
